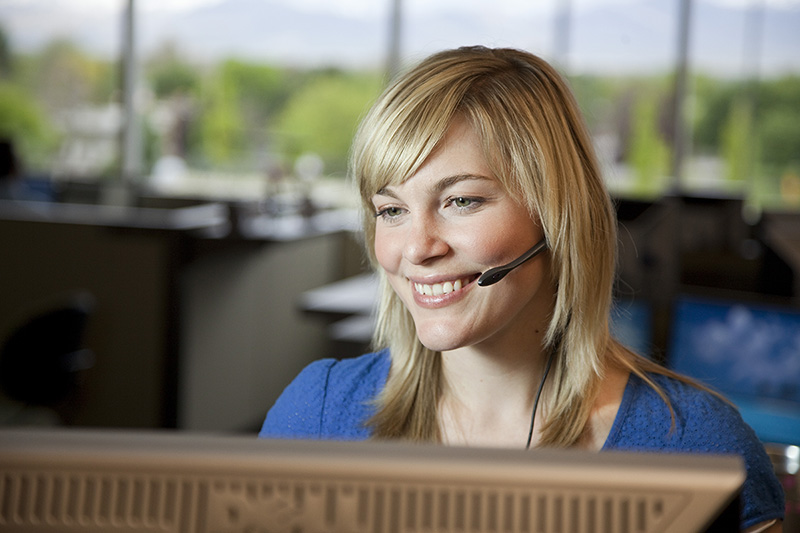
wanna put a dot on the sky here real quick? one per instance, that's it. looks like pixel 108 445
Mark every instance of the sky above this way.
pixel 372 7
pixel 354 32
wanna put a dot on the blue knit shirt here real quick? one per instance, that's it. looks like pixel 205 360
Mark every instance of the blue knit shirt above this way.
pixel 331 399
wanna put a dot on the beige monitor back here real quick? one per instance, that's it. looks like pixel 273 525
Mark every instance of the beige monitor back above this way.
pixel 124 481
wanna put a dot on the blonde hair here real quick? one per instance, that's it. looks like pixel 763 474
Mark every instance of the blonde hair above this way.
pixel 537 146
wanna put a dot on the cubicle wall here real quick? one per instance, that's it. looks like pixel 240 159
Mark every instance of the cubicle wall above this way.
pixel 187 331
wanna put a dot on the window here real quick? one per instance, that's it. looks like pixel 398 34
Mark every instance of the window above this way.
pixel 249 99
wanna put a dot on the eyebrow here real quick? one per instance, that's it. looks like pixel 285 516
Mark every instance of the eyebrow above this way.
pixel 441 185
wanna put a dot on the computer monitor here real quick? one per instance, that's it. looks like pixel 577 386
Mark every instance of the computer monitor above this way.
pixel 747 348
pixel 83 480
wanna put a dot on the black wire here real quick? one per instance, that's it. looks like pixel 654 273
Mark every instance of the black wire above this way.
pixel 538 394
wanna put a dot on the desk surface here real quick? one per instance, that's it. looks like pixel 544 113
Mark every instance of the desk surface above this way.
pixel 184 218
pixel 356 298
pixel 211 220
pixel 355 295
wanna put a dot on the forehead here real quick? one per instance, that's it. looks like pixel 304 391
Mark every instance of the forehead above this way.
pixel 458 157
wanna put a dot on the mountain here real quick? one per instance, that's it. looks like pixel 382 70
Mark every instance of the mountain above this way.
pixel 622 37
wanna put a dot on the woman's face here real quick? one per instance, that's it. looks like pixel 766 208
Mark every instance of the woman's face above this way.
pixel 439 230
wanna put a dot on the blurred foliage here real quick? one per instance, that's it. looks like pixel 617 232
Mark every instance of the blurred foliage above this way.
pixel 262 89
pixel 250 115
pixel 711 106
pixel 62 77
pixel 775 115
pixel 246 116
pixel 599 100
pixel 649 153
pixel 323 115
pixel 169 74
pixel 755 127
pixel 238 102
pixel 737 144
pixel 20 116
pixel 5 55
pixel 780 134
pixel 23 122
pixel 222 131
pixel 778 107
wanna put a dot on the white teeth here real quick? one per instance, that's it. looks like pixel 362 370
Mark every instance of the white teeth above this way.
pixel 437 289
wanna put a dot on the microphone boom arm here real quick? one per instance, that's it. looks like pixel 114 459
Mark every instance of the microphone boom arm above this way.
pixel 493 275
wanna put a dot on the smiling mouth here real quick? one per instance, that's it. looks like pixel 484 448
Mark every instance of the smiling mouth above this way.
pixel 438 289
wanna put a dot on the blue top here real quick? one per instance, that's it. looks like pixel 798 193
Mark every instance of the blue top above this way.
pixel 331 400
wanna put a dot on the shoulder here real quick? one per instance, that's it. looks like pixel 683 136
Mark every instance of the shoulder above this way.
pixel 702 423
pixel 353 373
pixel 688 421
pixel 329 398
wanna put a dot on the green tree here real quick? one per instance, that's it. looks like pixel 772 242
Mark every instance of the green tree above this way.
pixel 596 96
pixel 649 154
pixel 23 122
pixel 780 134
pixel 322 117
pixel 5 55
pixel 170 74
pixel 239 103
pixel 262 90
pixel 39 87
pixel 767 110
pixel 63 77
pixel 221 128
pixel 779 123
pixel 711 110
pixel 738 142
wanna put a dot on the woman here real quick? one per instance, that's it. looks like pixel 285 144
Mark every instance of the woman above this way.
pixel 467 162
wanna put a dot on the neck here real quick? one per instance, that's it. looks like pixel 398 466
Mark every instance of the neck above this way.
pixel 488 399
pixel 502 369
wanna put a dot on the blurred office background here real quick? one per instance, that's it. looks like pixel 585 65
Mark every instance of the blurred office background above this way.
pixel 179 238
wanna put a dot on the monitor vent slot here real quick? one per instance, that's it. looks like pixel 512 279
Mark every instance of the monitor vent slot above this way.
pixel 88 502
pixel 311 506
pixel 80 501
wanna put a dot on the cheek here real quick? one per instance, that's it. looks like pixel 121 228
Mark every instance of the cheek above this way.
pixel 493 248
pixel 518 235
pixel 385 251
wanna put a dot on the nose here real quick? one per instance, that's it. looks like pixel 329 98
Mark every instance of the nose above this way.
pixel 424 241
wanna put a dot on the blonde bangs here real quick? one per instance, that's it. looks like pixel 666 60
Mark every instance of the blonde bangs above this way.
pixel 392 142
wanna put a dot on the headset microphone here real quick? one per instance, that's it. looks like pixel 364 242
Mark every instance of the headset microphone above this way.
pixel 493 275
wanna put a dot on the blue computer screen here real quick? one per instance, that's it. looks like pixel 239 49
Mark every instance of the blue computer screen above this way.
pixel 747 351
pixel 738 347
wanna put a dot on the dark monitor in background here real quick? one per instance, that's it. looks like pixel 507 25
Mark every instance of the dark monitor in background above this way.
pixel 746 348
pixel 81 480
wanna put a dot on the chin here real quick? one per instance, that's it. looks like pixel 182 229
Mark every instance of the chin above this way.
pixel 437 346
pixel 440 341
